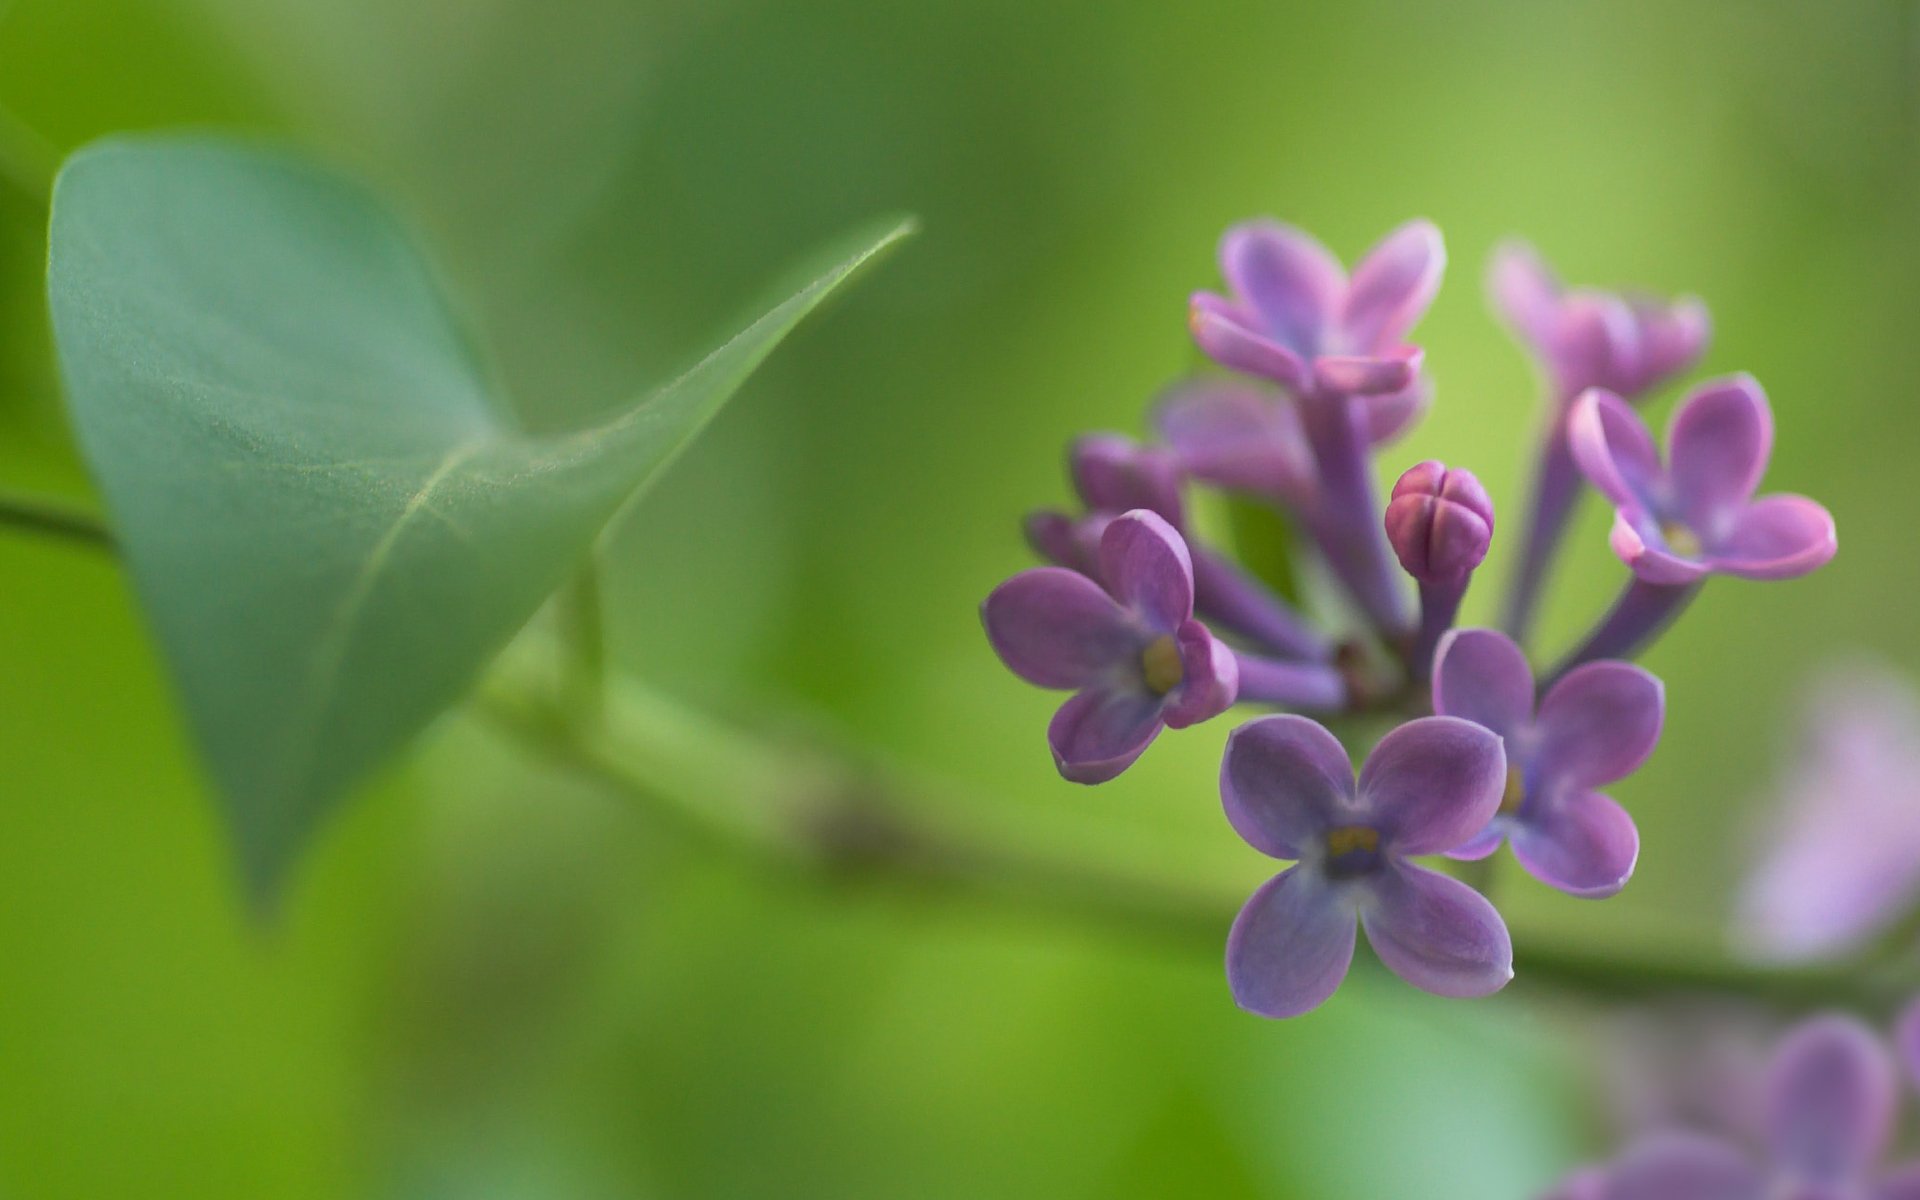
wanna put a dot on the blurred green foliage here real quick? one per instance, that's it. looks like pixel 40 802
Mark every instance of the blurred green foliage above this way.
pixel 495 981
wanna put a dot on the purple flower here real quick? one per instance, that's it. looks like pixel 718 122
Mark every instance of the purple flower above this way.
pixel 1828 1109
pixel 1841 864
pixel 1132 652
pixel 1594 726
pixel 1293 315
pixel 1114 474
pixel 1289 790
pixel 1439 523
pixel 1697 515
pixel 1587 338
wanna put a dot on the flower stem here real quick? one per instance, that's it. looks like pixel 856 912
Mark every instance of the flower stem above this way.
pixel 53 518
pixel 1302 687
pixel 1344 517
pixel 1556 487
pixel 1641 612
pixel 1439 606
pixel 584 620
pixel 1226 595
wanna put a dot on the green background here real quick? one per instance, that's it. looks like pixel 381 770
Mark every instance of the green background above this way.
pixel 496 981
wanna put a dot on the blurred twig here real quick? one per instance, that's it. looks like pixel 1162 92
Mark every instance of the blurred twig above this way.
pixel 802 810
pixel 28 161
pixel 52 518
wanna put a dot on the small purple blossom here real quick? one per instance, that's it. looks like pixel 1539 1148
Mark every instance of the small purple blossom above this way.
pixel 1827 1116
pixel 1697 515
pixel 1583 337
pixel 1289 790
pixel 1131 651
pixel 1293 316
pixel 1594 726
pixel 1439 522
pixel 1841 862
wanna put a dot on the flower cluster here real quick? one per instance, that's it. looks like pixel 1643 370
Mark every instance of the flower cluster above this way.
pixel 1151 625
pixel 1828 1107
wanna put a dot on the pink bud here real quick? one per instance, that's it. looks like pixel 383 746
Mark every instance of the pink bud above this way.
pixel 1440 522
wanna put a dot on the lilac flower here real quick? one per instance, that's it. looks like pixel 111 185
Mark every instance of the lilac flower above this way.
pixel 1841 864
pixel 1697 515
pixel 1582 337
pixel 1289 790
pixel 1596 725
pixel 1132 652
pixel 1828 1107
pixel 1293 315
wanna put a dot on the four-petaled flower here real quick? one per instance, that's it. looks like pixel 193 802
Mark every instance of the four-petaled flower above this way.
pixel 1595 725
pixel 1132 652
pixel 1293 315
pixel 1289 790
pixel 1582 337
pixel 1697 515
pixel 1830 1100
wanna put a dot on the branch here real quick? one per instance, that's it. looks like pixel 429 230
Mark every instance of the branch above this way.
pixel 52 518
pixel 799 809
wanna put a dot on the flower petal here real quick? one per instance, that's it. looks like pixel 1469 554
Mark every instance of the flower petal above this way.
pixel 1209 678
pixel 1585 1183
pixel 1390 415
pixel 1355 375
pixel 1717 448
pixel 1579 842
pixel 1647 555
pixel 1056 628
pixel 1614 450
pixel 1099 732
pixel 1436 933
pixel 1902 1183
pixel 1480 675
pixel 1777 537
pixel 1432 784
pixel 1597 724
pixel 1115 473
pixel 1287 277
pixel 1392 286
pixel 1290 946
pixel 1672 338
pixel 1145 564
pixel 1597 344
pixel 1831 1096
pixel 1683 1167
pixel 1072 542
pixel 1907 1039
pixel 1229 336
pixel 1283 781
pixel 1481 844
pixel 1238 435
pixel 1525 292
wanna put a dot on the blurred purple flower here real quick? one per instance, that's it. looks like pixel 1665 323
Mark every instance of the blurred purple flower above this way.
pixel 1841 864
pixel 1696 516
pixel 1828 1109
pixel 1132 651
pixel 1594 726
pixel 1289 790
pixel 1583 337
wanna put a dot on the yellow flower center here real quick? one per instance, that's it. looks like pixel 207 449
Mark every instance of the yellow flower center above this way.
pixel 1680 539
pixel 1160 663
pixel 1516 791
pixel 1349 839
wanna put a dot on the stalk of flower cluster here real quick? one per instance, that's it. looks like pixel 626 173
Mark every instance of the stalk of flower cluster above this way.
pixel 1224 595
pixel 1342 517
pixel 1556 487
pixel 1298 686
pixel 1641 613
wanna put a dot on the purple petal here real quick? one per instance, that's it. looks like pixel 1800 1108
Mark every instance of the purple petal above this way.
pixel 1717 448
pixel 1614 450
pixel 1597 344
pixel 1525 292
pixel 1479 675
pixel 1146 566
pixel 1056 628
pixel 1481 844
pixel 1291 945
pixel 1066 541
pixel 1437 933
pixel 1902 1183
pixel 1098 733
pixel 1238 435
pixel 1209 678
pixel 1907 1038
pixel 1579 842
pixel 1831 1096
pixel 1672 338
pixel 1283 781
pixel 1116 473
pixel 1597 724
pixel 1648 555
pixel 1586 1183
pixel 1432 784
pixel 1229 336
pixel 1684 1167
pixel 1354 375
pixel 1777 537
pixel 1285 276
pixel 1390 415
pixel 1393 285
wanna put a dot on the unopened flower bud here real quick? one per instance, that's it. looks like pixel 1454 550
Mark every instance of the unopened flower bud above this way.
pixel 1440 522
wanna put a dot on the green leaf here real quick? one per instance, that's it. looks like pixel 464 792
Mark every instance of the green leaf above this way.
pixel 331 519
